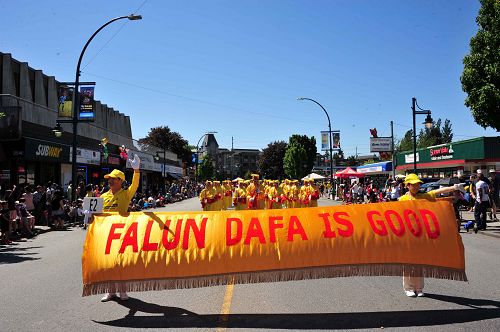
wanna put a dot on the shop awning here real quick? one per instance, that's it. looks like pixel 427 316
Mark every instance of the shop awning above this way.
pixel 384 166
pixel 434 164
pixel 176 176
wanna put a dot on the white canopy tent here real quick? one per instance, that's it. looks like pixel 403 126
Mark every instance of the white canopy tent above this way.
pixel 314 176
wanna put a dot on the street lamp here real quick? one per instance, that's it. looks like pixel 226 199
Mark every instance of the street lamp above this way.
pixel 428 124
pixel 163 170
pixel 329 134
pixel 76 104
pixel 197 151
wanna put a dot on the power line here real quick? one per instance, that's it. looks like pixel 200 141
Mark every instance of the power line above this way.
pixel 202 101
pixel 112 37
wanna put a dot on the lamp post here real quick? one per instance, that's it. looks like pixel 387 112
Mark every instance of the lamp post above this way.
pixel 163 171
pixel 197 151
pixel 329 134
pixel 428 123
pixel 76 104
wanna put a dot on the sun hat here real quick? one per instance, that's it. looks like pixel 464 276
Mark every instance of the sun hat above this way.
pixel 412 179
pixel 115 174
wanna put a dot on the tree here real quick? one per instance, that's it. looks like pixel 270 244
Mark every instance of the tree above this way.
pixel 295 161
pixel 270 163
pixel 481 76
pixel 447 132
pixel 430 136
pixel 309 145
pixel 206 169
pixel 164 138
pixel 406 142
pixel 351 161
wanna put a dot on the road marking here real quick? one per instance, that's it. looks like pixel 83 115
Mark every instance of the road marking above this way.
pixel 226 306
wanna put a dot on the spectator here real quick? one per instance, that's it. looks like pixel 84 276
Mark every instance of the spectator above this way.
pixel 57 206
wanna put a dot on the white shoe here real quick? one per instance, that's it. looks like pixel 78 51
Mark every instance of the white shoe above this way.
pixel 410 293
pixel 124 296
pixel 420 294
pixel 108 297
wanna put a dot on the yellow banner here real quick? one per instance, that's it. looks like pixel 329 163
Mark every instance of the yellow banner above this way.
pixel 152 251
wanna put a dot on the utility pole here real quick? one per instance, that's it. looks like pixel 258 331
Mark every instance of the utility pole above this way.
pixel 392 150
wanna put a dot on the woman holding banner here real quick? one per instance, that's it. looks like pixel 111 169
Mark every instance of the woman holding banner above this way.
pixel 118 200
pixel 414 286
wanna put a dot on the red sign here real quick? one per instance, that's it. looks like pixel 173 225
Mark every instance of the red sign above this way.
pixel 113 160
pixel 439 151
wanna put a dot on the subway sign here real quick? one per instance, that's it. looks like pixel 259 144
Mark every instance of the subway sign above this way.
pixel 44 150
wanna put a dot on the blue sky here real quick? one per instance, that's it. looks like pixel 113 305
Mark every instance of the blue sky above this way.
pixel 237 67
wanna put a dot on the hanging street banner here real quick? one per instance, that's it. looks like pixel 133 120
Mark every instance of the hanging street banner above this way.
pixel 336 139
pixel 65 102
pixel 324 141
pixel 142 251
pixel 87 102
pixel 380 144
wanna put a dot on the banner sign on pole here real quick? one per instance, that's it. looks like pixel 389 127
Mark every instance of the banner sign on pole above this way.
pixel 87 102
pixel 336 139
pixel 324 141
pixel 65 102
pixel 380 144
pixel 169 250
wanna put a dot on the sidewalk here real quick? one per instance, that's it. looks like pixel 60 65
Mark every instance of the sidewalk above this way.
pixel 492 228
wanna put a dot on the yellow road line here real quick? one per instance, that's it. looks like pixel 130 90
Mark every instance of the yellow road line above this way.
pixel 226 306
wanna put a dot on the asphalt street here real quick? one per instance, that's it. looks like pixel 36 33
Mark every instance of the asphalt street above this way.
pixel 41 287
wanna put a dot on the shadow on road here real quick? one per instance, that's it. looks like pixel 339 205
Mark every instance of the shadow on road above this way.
pixel 12 254
pixel 181 318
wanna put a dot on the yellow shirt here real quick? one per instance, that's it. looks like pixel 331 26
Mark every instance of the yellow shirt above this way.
pixel 430 196
pixel 120 201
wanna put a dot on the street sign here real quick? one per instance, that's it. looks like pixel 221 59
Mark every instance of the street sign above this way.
pixel 380 144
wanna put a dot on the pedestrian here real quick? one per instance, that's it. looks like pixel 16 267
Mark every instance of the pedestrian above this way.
pixel 481 203
pixel 118 200
pixel 414 285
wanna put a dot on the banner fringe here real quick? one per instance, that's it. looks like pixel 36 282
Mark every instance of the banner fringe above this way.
pixel 276 276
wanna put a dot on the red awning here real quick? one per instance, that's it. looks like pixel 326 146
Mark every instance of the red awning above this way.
pixel 348 173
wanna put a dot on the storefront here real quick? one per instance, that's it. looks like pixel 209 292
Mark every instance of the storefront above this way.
pixel 455 159
pixel 377 173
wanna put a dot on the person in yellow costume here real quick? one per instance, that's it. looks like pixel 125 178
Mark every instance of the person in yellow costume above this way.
pixel 118 200
pixel 293 194
pixel 255 194
pixel 273 196
pixel 218 196
pixel 286 189
pixel 207 197
pixel 240 196
pixel 414 286
pixel 303 196
pixel 310 194
pixel 228 193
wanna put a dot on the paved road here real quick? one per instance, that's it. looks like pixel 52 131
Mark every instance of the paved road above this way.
pixel 40 290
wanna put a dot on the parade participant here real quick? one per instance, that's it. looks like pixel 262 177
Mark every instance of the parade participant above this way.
pixel 228 193
pixel 293 194
pixel 118 200
pixel 219 201
pixel 286 189
pixel 414 286
pixel 207 196
pixel 273 197
pixel 255 194
pixel 240 196
pixel 313 194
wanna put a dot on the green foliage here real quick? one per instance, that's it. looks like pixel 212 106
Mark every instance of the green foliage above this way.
pixel 447 132
pixel 406 143
pixel 206 169
pixel 164 138
pixel 295 162
pixel 351 161
pixel 481 76
pixel 309 145
pixel 270 163
pixel 427 137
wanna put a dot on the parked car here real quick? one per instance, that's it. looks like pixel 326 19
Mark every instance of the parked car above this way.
pixel 426 187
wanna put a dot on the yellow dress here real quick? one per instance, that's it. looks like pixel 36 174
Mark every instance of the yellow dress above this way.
pixel 206 199
pixel 256 193
pixel 240 199
pixel 273 198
